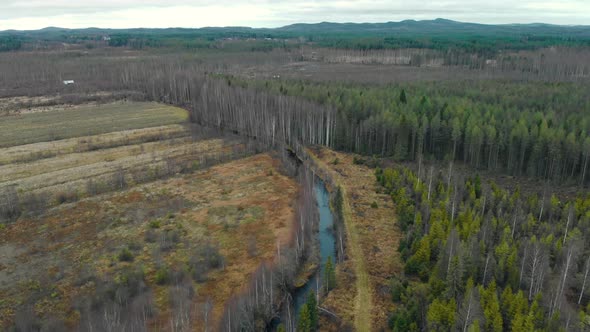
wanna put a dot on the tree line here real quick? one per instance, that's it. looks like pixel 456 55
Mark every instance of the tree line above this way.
pixel 534 129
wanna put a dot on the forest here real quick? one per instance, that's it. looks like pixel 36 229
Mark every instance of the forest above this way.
pixel 481 258
pixel 481 180
pixel 533 129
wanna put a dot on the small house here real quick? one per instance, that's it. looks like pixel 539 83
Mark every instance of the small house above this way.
pixel 68 82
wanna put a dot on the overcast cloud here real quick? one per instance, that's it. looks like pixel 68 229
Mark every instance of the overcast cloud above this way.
pixel 35 14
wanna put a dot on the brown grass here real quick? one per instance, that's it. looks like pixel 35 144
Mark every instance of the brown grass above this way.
pixel 88 233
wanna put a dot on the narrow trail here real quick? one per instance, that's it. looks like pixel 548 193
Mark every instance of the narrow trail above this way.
pixel 363 303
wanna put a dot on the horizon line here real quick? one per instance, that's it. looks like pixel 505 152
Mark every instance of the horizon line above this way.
pixel 298 23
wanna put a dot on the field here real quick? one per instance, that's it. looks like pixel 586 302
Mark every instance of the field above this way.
pixel 49 125
pixel 214 206
pixel 121 204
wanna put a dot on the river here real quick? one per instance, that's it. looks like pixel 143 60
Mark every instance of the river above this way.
pixel 327 243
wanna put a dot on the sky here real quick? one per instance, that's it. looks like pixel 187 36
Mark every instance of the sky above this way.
pixel 36 14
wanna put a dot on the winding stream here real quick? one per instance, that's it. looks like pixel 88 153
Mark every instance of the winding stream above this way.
pixel 327 243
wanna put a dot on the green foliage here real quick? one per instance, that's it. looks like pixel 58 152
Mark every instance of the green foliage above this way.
pixel 491 308
pixel 125 255
pixel 10 43
pixel 402 97
pixel 402 321
pixel 441 315
pixel 304 322
pixel 162 275
pixel 329 275
pixel 510 127
pixel 312 307
pixel 397 290
pixel 374 205
pixel 447 254
pixel 154 224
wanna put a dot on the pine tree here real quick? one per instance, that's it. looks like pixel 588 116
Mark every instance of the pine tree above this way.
pixel 402 97
pixel 441 315
pixel 491 309
pixel 329 275
pixel 304 323
pixel 312 307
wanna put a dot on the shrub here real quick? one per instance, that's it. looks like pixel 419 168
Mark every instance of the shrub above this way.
pixel 66 197
pixel 125 255
pixel 336 161
pixel 374 205
pixel 162 276
pixel 154 224
pixel 397 290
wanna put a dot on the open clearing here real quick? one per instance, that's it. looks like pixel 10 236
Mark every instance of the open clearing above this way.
pixel 372 242
pixel 85 120
pixel 131 178
pixel 235 205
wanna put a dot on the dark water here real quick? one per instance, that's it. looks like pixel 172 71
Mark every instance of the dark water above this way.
pixel 327 243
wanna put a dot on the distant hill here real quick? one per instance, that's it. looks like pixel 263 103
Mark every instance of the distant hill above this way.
pixel 435 34
pixel 437 27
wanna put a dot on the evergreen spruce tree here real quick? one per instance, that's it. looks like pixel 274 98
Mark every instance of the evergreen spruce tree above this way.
pixel 312 307
pixel 329 275
pixel 402 97
pixel 304 323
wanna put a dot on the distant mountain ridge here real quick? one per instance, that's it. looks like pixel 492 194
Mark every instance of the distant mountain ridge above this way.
pixel 441 34
pixel 437 26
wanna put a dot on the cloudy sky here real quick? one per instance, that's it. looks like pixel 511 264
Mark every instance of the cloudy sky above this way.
pixel 35 14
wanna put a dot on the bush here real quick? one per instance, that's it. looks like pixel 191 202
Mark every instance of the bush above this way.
pixel 397 290
pixel 374 205
pixel 336 161
pixel 358 161
pixel 400 320
pixel 162 276
pixel 154 224
pixel 66 197
pixel 125 255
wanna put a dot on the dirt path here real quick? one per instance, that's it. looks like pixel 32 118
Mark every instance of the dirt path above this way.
pixel 362 300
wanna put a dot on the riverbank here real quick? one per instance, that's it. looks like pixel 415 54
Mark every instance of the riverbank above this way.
pixel 362 297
